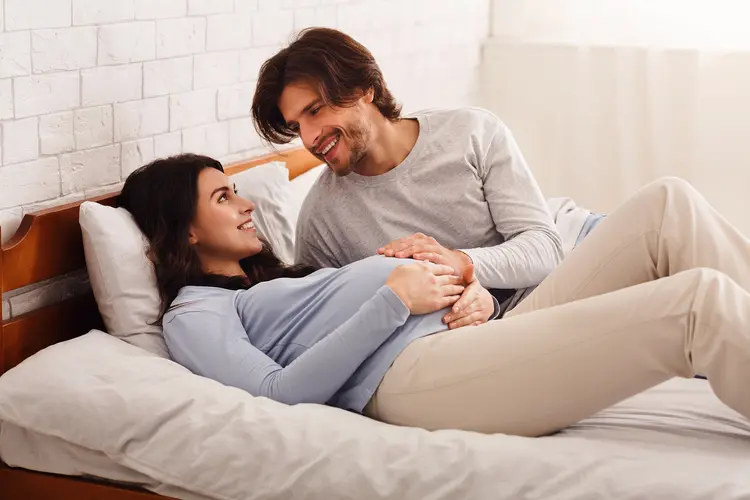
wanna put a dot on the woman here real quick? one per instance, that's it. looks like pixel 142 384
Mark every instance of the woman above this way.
pixel 659 290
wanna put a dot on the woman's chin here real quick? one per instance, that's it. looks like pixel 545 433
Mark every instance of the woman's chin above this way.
pixel 252 251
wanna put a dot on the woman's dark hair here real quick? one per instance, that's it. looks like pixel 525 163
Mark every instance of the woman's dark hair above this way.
pixel 337 65
pixel 162 197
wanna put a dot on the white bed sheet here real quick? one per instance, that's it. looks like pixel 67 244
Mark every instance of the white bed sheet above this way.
pixel 675 441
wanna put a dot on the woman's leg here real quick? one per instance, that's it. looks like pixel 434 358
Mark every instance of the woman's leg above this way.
pixel 535 373
pixel 665 228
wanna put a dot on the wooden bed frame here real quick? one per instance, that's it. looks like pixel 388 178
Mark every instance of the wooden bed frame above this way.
pixel 48 244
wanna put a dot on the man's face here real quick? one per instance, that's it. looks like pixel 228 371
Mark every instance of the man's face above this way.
pixel 337 135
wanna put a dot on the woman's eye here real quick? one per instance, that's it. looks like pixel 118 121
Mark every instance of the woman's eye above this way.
pixel 222 198
pixel 314 111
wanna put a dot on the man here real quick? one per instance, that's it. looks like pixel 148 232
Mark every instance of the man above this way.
pixel 450 187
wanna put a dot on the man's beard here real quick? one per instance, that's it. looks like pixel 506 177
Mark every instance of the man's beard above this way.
pixel 357 141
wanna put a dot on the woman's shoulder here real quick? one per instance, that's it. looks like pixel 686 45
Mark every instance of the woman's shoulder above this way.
pixel 193 299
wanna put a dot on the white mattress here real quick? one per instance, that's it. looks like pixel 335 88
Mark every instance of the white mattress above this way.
pixel 676 441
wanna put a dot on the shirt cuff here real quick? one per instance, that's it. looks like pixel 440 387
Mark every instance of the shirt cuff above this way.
pixel 397 305
pixel 496 312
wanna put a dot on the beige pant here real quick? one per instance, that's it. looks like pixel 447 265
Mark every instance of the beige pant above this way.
pixel 658 290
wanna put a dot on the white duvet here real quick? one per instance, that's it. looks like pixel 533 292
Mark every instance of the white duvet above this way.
pixel 96 405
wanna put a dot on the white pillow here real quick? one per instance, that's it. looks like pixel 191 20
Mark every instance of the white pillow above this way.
pixel 122 277
pixel 300 187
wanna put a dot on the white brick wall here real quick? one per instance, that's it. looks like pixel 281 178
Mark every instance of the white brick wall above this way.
pixel 20 141
pixel 325 16
pixel 167 144
pixel 108 84
pixel 92 89
pixel 160 9
pixel 252 59
pixel 242 135
pixel 192 108
pixel 245 5
pixel 167 76
pixel 273 27
pixel 212 140
pixel 90 168
pixel 56 133
pixel 63 49
pixel 135 154
pixel 216 68
pixel 235 101
pixel 202 7
pixel 92 127
pixel 6 99
pixel 101 11
pixel 25 183
pixel 48 93
pixel 141 118
pixel 31 14
pixel 229 31
pixel 180 37
pixel 15 54
pixel 127 42
pixel 10 219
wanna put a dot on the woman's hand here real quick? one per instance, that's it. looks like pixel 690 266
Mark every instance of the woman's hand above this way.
pixel 425 288
pixel 475 307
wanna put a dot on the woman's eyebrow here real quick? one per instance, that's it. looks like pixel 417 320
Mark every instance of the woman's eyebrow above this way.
pixel 218 189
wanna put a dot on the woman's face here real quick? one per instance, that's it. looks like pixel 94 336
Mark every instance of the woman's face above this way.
pixel 222 231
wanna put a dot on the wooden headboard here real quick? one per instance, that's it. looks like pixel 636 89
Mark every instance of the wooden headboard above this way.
pixel 49 244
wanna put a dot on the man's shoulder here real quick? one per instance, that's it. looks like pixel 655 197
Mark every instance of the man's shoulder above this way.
pixel 471 116
pixel 323 182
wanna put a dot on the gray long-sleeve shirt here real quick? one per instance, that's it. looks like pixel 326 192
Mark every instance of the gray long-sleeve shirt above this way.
pixel 465 183
pixel 327 338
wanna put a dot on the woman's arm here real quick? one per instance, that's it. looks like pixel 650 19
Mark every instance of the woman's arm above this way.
pixel 216 346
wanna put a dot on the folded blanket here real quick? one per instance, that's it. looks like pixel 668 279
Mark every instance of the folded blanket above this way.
pixel 573 222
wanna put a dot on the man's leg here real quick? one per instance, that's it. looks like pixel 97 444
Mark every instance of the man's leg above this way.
pixel 538 372
pixel 665 228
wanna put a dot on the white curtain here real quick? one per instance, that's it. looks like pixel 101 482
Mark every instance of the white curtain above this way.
pixel 606 95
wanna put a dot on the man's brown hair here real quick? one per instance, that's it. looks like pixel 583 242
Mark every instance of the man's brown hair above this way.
pixel 338 66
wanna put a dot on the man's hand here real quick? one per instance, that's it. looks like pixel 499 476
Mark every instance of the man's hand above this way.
pixel 475 305
pixel 473 308
pixel 421 247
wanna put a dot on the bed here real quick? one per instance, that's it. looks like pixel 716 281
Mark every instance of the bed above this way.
pixel 84 415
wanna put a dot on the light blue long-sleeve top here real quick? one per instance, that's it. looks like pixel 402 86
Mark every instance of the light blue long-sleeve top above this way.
pixel 326 338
